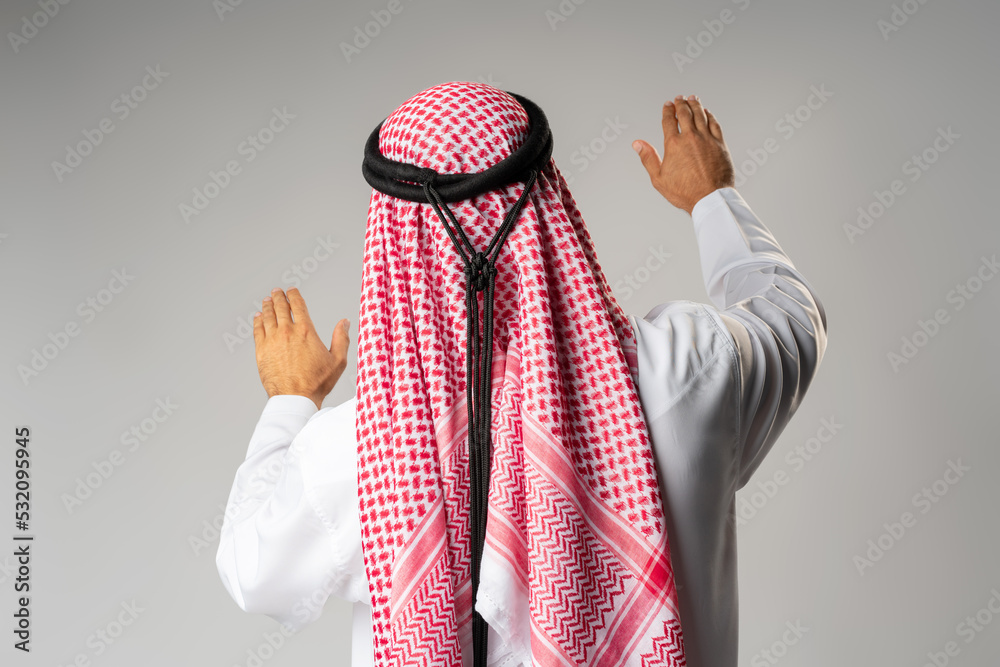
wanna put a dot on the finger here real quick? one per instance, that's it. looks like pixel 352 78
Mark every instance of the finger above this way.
pixel 258 329
pixel 698 113
pixel 650 159
pixel 298 306
pixel 684 117
pixel 669 121
pixel 267 314
pixel 281 310
pixel 341 340
pixel 713 126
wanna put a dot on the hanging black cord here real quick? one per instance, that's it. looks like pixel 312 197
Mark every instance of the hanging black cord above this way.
pixel 480 276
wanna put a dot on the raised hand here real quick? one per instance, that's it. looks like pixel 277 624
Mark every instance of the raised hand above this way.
pixel 696 160
pixel 291 358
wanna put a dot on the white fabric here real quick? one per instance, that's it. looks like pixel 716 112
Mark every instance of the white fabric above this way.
pixel 717 385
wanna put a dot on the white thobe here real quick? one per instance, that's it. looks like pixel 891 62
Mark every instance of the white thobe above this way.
pixel 717 387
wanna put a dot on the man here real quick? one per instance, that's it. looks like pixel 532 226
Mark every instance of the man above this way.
pixel 717 386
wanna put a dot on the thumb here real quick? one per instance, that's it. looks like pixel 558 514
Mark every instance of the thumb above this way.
pixel 341 340
pixel 650 158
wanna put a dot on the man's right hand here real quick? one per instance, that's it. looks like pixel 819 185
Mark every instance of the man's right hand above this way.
pixel 696 160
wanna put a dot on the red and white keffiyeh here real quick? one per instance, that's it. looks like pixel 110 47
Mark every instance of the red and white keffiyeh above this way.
pixel 576 567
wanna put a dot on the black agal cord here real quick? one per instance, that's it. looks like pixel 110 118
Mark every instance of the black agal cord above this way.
pixel 425 185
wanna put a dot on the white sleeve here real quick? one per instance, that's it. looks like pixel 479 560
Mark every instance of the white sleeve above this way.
pixel 777 322
pixel 718 383
pixel 291 535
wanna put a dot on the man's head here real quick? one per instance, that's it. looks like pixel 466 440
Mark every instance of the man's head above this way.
pixel 455 128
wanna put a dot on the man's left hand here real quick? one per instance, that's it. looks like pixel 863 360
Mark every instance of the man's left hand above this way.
pixel 291 358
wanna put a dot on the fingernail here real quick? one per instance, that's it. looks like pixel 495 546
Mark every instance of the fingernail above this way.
pixel 692 97
pixel 669 104
pixel 267 298
pixel 636 146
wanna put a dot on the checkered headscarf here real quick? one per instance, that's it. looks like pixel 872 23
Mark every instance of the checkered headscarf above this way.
pixel 576 564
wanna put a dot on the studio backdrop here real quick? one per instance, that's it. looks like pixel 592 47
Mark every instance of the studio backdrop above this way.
pixel 165 165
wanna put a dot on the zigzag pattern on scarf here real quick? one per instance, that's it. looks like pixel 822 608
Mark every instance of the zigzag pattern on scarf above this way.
pixel 424 633
pixel 580 577
pixel 668 648
pixel 455 479
pixel 506 492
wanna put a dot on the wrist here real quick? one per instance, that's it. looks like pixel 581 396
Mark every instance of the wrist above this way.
pixel 315 398
pixel 290 404
pixel 693 203
pixel 706 203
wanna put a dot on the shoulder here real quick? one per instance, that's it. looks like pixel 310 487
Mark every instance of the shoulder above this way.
pixel 681 337
pixel 328 426
pixel 327 445
pixel 339 415
pixel 682 346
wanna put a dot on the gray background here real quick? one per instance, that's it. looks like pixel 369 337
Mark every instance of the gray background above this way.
pixel 166 335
